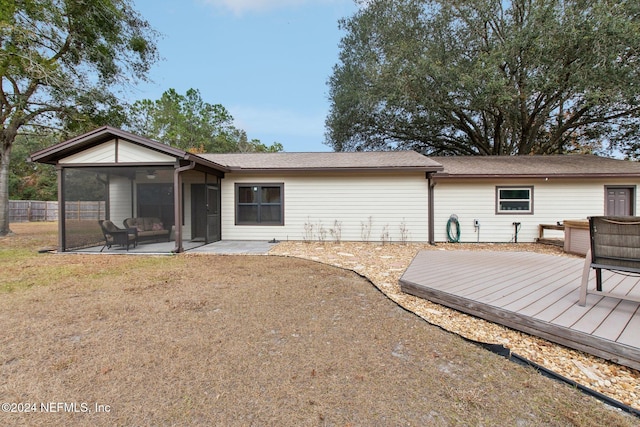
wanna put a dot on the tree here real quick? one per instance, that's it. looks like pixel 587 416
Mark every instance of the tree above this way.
pixel 488 77
pixel 189 123
pixel 254 146
pixel 32 181
pixel 61 62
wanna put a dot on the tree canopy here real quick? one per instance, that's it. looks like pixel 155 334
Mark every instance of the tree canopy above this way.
pixel 488 77
pixel 61 65
pixel 191 124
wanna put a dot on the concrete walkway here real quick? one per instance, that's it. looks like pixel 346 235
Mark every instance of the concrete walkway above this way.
pixel 247 247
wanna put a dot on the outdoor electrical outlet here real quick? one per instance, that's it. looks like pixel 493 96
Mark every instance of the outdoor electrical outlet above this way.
pixel 476 223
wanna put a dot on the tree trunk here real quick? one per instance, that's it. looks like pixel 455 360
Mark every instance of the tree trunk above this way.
pixel 6 142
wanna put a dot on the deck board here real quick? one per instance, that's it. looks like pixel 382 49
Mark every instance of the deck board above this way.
pixel 502 283
pixel 630 335
pixel 534 293
pixel 617 321
pixel 594 318
pixel 536 307
pixel 538 284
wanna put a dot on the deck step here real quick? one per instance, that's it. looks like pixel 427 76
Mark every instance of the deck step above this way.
pixel 551 241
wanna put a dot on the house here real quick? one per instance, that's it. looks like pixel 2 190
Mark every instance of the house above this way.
pixel 371 196
pixel 265 196
pixel 506 198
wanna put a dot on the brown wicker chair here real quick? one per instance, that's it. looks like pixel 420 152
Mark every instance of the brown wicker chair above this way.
pixel 117 236
pixel 615 246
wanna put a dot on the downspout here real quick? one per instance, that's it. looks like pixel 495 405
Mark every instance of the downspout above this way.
pixel 431 209
pixel 177 203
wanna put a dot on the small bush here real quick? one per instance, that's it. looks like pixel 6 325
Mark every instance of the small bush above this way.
pixel 365 229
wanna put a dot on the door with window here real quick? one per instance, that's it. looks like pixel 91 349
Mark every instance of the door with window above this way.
pixel 619 201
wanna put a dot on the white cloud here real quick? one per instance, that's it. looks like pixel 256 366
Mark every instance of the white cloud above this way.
pixel 241 6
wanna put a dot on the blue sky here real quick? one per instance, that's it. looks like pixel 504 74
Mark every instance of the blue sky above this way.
pixel 266 61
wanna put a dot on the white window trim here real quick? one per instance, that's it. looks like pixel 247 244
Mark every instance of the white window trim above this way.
pixel 500 211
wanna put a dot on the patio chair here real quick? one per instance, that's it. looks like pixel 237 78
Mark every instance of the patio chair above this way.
pixel 117 236
pixel 615 246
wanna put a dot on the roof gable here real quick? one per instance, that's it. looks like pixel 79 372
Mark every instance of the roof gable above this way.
pixel 117 151
pixel 107 145
pixel 95 138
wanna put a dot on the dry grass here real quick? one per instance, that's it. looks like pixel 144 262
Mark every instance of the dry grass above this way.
pixel 384 265
pixel 244 340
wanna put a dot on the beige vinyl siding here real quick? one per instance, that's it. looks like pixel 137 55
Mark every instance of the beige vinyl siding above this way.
pixel 553 200
pixel 103 153
pixel 117 152
pixel 133 153
pixel 319 200
pixel 120 200
pixel 188 178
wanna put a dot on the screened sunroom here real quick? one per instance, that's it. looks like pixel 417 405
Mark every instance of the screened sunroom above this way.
pixel 119 192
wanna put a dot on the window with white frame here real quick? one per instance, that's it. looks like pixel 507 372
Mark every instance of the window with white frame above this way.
pixel 259 204
pixel 514 200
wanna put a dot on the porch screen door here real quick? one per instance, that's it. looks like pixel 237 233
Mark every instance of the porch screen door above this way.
pixel 213 214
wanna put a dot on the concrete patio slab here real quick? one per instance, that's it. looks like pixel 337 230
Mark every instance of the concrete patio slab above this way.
pixel 248 247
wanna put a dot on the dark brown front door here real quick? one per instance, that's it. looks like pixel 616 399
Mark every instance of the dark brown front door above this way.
pixel 619 201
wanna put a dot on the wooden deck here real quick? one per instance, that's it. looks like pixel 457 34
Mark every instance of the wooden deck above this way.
pixel 534 293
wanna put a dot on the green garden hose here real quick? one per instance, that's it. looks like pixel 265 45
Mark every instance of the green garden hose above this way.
pixel 453 220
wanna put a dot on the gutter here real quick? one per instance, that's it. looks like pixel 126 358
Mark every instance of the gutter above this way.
pixel 431 209
pixel 288 170
pixel 445 176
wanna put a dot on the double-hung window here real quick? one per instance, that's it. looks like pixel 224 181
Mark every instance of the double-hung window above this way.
pixel 259 204
pixel 514 200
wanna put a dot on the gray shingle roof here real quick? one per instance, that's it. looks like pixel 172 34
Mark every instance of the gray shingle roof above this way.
pixel 326 161
pixel 535 166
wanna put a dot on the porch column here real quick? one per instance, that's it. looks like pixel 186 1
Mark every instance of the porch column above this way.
pixel 177 203
pixel 62 214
